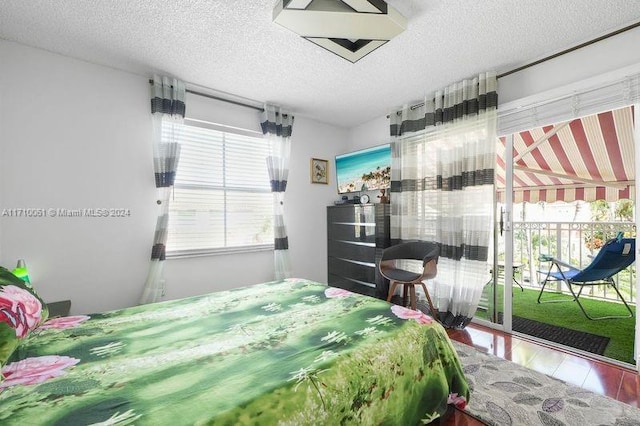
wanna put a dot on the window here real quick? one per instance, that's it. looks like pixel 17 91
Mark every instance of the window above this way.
pixel 222 197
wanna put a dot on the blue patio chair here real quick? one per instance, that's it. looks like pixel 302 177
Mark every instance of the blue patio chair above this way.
pixel 614 256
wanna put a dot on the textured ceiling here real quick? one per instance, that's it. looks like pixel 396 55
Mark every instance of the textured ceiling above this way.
pixel 233 47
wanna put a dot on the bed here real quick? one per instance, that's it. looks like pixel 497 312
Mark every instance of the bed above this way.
pixel 290 352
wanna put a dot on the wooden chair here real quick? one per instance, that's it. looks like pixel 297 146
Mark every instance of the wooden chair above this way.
pixel 425 251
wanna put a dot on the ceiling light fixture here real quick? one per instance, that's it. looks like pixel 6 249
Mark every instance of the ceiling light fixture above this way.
pixel 349 28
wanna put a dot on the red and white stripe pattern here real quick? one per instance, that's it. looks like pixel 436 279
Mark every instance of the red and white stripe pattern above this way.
pixel 599 147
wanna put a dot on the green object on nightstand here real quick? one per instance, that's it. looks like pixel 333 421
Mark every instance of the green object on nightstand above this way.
pixel 22 272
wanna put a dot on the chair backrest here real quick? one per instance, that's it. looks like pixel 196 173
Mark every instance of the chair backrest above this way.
pixel 612 258
pixel 416 250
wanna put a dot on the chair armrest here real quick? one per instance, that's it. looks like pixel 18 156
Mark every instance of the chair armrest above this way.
pixel 556 261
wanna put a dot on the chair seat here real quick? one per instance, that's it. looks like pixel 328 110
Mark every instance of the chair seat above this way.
pixel 401 275
pixel 425 251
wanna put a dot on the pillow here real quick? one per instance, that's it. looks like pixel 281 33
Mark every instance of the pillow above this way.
pixel 21 312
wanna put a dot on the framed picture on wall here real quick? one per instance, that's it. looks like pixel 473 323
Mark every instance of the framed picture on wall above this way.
pixel 319 171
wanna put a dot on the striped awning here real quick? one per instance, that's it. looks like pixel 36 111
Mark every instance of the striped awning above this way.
pixel 589 158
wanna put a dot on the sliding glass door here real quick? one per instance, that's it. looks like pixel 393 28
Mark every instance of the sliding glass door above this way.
pixel 564 190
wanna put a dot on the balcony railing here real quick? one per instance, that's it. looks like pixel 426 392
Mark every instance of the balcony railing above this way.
pixel 573 242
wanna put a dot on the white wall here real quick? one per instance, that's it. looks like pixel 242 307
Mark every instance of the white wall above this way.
pixel 306 202
pixel 372 133
pixel 77 135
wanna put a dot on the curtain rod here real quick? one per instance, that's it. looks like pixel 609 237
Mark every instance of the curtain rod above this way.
pixel 555 55
pixel 206 95
pixel 571 49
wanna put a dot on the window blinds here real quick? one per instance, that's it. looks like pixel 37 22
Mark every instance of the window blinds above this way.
pixel 571 102
pixel 221 200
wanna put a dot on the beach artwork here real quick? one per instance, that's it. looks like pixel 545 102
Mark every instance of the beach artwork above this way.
pixel 364 170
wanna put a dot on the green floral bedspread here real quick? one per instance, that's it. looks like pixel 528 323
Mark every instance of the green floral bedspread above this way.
pixel 293 352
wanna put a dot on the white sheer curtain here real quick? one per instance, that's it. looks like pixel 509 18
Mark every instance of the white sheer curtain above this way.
pixel 168 109
pixel 277 127
pixel 442 188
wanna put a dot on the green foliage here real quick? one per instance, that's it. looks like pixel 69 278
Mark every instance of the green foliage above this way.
pixel 600 211
pixel 621 210
pixel 378 177
pixel 624 210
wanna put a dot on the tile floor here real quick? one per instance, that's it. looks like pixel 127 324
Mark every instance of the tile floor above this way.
pixel 614 381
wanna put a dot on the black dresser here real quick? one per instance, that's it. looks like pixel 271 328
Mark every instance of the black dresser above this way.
pixel 357 234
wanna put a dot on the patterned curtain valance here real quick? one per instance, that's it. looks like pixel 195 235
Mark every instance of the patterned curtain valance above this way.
pixel 277 126
pixel 167 104
pixel 459 100
pixel 167 96
pixel 276 122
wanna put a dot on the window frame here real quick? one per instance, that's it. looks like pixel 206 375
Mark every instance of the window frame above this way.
pixel 187 253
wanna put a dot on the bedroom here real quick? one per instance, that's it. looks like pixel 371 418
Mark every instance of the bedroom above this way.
pixel 88 133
